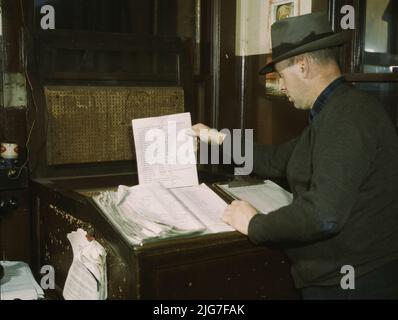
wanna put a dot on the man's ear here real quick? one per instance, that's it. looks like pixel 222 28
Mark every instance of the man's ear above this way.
pixel 303 65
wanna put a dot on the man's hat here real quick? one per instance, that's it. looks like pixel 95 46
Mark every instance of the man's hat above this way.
pixel 297 35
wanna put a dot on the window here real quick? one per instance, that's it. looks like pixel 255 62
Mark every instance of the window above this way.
pixel 380 46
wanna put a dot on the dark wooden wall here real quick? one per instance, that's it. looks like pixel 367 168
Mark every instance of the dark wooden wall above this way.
pixel 12 120
pixel 150 17
pixel 15 229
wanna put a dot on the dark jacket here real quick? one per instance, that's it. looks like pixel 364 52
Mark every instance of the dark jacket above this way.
pixel 343 172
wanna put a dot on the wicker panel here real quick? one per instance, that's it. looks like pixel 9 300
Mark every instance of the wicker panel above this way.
pixel 93 124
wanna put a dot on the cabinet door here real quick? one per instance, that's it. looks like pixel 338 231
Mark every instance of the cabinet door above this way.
pixel 15 231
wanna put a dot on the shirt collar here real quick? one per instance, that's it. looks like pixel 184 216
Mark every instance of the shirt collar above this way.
pixel 324 96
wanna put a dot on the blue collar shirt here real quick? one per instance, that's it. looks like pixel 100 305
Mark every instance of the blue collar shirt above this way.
pixel 323 98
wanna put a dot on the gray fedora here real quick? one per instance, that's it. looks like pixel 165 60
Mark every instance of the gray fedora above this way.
pixel 297 35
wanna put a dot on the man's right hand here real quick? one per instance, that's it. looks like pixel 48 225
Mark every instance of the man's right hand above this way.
pixel 207 134
pixel 199 129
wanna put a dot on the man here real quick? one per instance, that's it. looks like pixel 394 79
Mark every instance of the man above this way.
pixel 342 170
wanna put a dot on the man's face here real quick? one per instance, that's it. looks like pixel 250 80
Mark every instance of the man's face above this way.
pixel 292 84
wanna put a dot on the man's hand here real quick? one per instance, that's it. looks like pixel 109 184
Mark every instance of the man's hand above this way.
pixel 238 214
pixel 206 134
pixel 198 127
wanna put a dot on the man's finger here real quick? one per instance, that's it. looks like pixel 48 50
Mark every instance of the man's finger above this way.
pixel 191 132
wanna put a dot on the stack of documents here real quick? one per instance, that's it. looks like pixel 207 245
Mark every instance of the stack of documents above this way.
pixel 151 211
pixel 165 151
pixel 265 197
pixel 18 282
pixel 87 279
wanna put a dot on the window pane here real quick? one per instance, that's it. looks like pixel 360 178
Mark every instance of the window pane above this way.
pixel 381 36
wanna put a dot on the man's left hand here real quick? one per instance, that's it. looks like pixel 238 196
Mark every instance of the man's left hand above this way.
pixel 238 214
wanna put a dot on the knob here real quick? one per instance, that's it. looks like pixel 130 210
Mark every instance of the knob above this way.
pixel 8 205
pixel 3 208
pixel 12 204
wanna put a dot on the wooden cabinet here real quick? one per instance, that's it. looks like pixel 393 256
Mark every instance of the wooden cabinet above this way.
pixel 215 266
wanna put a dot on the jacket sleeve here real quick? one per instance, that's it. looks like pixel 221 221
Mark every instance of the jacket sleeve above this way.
pixel 343 152
pixel 271 161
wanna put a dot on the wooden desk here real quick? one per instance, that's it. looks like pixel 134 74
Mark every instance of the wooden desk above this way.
pixel 216 266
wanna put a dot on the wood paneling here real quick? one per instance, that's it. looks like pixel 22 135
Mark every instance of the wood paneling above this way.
pixel 320 5
pixel 15 228
pixel 12 35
